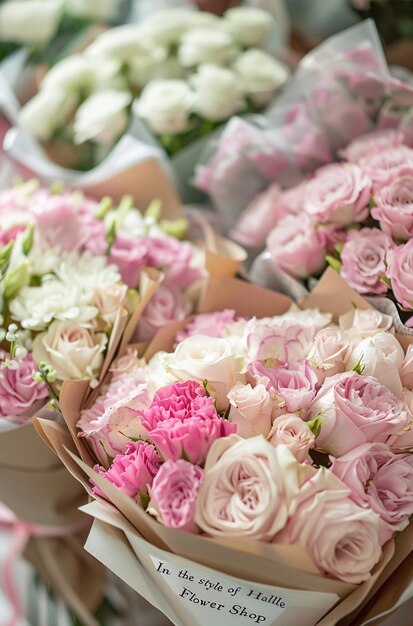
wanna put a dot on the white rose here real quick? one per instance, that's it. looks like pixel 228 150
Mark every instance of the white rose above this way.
pixel 247 25
pixel 73 72
pixel 101 10
pixel 218 95
pixel 109 300
pixel 260 74
pixel 206 45
pixel 359 323
pixel 166 105
pixel 208 359
pixel 166 27
pixel 158 374
pixel 103 117
pixel 329 352
pixel 36 307
pixel 381 356
pixel 73 351
pixel 30 22
pixel 250 409
pixel 123 43
pixel 143 69
pixel 46 112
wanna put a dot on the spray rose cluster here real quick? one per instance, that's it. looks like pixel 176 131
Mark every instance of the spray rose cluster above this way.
pixel 287 429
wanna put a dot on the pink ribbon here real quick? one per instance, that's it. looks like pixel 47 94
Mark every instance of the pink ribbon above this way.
pixel 22 531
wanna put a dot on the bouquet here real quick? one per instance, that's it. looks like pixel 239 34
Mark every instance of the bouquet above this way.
pixel 266 443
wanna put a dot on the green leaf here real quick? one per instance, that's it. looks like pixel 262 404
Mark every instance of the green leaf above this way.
pixel 110 237
pixel 333 262
pixel 315 425
pixel 5 254
pixel 359 368
pixel 28 240
pixel 104 207
pixel 15 279
pixel 385 280
pixel 154 210
pixel 175 228
pixel 144 498
pixel 205 386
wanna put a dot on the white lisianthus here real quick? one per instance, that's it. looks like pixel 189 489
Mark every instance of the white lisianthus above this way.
pixel 87 272
pixel 73 72
pixel 206 45
pixel 247 25
pixel 218 95
pixel 93 9
pixel 73 351
pixel 30 22
pixel 166 105
pixel 260 74
pixel 46 112
pixel 102 117
pixel 36 307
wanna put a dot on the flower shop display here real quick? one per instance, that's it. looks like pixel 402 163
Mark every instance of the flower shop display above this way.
pixel 254 437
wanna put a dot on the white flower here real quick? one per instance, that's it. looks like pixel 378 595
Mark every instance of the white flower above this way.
pixel 133 223
pixel 29 22
pixel 218 95
pixel 36 307
pixel 123 43
pixel 87 272
pixel 102 117
pixel 165 27
pixel 93 9
pixel 73 72
pixel 43 260
pixel 247 25
pixel 74 352
pixel 260 74
pixel 312 318
pixel 166 105
pixel 158 374
pixel 144 68
pixel 206 45
pixel 47 111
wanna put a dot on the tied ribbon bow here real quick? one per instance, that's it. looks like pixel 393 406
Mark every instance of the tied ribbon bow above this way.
pixel 22 531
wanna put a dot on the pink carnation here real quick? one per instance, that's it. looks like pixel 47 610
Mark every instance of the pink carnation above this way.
pixel 133 471
pixel 174 494
pixel 19 393
pixel 364 259
pixel 210 324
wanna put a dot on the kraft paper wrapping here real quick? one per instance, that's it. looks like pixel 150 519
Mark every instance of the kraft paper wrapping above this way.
pixel 285 566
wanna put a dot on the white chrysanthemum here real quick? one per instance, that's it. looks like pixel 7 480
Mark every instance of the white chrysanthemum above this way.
pixel 43 260
pixel 87 272
pixel 36 307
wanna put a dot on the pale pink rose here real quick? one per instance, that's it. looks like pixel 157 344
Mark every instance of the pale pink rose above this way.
pixel 402 441
pixel 291 431
pixel 166 305
pixel 384 167
pixel 372 143
pixel 130 255
pixel 250 409
pixel 400 272
pixel 210 324
pixel 363 260
pixel 132 472
pixel 338 194
pixel 328 354
pixel 109 301
pixel 355 410
pixel 20 395
pixel 174 258
pixel 281 340
pixel 343 539
pixel 380 480
pixel 127 363
pixel 297 247
pixel 406 368
pixel 380 356
pixel 248 489
pixel 394 208
pixel 174 494
pixel 361 323
pixel 293 386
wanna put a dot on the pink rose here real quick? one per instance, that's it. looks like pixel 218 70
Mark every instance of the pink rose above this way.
pixel 384 167
pixel 338 194
pixel 133 471
pixel 361 323
pixel 355 410
pixel 127 363
pixel 402 441
pixel 343 539
pixel 380 480
pixel 400 272
pixel 183 422
pixel 250 409
pixel 248 490
pixel 131 257
pixel 174 258
pixel 20 395
pixel 372 143
pixel 210 324
pixel 363 260
pixel 167 305
pixel 394 208
pixel 174 495
pixel 406 368
pixel 328 354
pixel 297 247
pixel 291 431
pixel 294 386
pixel 258 219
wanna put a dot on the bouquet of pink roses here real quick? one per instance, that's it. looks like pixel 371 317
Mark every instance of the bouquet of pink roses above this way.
pixel 278 443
